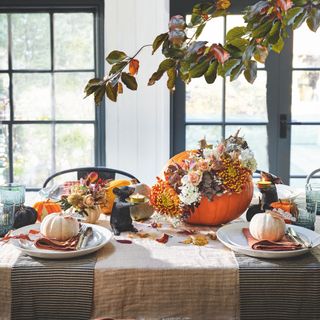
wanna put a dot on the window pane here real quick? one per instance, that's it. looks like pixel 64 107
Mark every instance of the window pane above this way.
pixel 305 149
pixel 257 139
pixel 32 96
pixel 301 182
pixel 306 95
pixel 195 133
pixel 32 153
pixel 73 41
pixel 3 42
pixel 31 41
pixel 306 48
pixel 74 146
pixel 4 97
pixel 4 157
pixel 204 101
pixel 213 31
pixel 69 101
pixel 235 20
pixel 247 102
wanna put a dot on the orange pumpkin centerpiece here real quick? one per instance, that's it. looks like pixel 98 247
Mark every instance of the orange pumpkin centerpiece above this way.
pixel 209 186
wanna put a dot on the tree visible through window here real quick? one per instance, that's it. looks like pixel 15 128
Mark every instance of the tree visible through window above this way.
pixel 46 58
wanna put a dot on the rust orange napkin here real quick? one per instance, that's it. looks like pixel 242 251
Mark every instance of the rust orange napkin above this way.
pixel 284 245
pixel 51 244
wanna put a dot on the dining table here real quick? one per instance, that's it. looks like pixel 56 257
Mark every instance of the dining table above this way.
pixel 158 274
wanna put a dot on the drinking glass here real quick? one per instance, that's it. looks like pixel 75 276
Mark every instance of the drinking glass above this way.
pixel 313 197
pixel 12 193
pixel 6 218
pixel 307 217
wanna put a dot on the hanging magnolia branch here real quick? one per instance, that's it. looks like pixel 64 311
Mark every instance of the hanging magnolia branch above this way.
pixel 267 24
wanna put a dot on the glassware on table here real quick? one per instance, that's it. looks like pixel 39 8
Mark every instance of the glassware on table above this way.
pixel 307 217
pixel 313 194
pixel 11 196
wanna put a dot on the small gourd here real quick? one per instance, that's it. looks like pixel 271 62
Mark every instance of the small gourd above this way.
pixel 141 188
pixel 46 207
pixel 24 216
pixel 267 226
pixel 60 227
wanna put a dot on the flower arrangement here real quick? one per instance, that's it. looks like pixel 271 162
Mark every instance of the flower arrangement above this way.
pixel 86 194
pixel 207 172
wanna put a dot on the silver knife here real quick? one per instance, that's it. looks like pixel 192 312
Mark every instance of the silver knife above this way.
pixel 81 237
pixel 87 234
pixel 298 238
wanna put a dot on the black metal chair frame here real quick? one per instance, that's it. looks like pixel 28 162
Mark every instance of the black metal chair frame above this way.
pixel 82 172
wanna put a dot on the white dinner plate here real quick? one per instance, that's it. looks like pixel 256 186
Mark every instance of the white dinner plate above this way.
pixel 231 236
pixel 101 236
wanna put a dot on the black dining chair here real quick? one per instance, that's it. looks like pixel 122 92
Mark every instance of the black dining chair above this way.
pixel 82 172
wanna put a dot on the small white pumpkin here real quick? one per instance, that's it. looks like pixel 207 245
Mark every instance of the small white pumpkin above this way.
pixel 267 226
pixel 59 227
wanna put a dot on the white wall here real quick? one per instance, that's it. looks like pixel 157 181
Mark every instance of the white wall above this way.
pixel 137 126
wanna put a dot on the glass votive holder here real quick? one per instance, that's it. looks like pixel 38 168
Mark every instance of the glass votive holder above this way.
pixel 12 193
pixel 313 197
pixel 7 212
pixel 307 217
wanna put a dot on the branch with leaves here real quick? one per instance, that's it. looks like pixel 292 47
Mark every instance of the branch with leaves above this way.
pixel 267 25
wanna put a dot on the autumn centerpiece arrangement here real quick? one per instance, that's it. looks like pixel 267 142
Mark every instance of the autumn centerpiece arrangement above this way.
pixel 212 185
pixel 86 197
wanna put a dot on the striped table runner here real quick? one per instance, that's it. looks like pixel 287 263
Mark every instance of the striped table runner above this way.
pixel 279 289
pixel 52 289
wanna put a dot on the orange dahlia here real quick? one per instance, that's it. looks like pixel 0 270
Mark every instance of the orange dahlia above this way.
pixel 165 199
pixel 232 174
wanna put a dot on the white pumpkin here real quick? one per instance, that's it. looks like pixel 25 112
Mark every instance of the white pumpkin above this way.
pixel 59 227
pixel 267 226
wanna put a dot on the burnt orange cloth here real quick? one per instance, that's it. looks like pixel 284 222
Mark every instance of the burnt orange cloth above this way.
pixel 284 245
pixel 51 244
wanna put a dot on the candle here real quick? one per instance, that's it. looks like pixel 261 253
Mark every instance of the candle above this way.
pixel 268 191
pixel 263 184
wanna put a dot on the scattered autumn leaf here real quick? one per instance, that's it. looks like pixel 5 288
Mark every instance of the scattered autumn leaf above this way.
pixel 163 239
pixel 212 235
pixel 156 225
pixel 134 67
pixel 124 241
pixel 187 231
pixel 197 240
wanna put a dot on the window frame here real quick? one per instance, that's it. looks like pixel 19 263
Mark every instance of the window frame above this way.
pixel 61 6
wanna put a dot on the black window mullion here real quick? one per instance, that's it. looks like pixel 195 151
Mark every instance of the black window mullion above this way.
pixel 223 129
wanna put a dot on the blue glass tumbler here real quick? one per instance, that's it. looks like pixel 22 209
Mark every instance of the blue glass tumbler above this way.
pixel 11 197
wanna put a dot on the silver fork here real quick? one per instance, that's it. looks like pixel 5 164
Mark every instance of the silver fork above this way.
pixel 82 231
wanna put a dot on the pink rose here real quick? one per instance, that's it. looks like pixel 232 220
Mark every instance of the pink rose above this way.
pixel 203 165
pixel 194 177
pixel 221 148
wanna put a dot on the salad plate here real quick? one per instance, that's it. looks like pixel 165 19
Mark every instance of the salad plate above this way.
pixel 231 236
pixel 101 236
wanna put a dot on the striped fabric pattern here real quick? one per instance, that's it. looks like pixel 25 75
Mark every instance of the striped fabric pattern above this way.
pixel 279 289
pixel 52 289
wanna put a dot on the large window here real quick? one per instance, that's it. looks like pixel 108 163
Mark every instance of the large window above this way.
pixel 281 122
pixel 47 54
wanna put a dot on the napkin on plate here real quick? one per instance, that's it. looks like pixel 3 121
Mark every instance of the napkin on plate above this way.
pixel 51 244
pixel 285 244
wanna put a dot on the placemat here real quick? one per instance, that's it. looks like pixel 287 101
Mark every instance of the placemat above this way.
pixel 279 288
pixel 52 289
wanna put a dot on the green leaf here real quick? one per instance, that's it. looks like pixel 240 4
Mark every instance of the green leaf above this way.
pixel 129 80
pixel 226 69
pixel 158 41
pixel 211 73
pixel 235 73
pixel 313 21
pixel 199 69
pixel 251 71
pixel 236 33
pixel 195 19
pixel 171 78
pixel 300 2
pixel 155 77
pixel 166 64
pixel 239 43
pixel 92 86
pixel 274 33
pixel 117 67
pixel 199 30
pixel 291 15
pixel 277 47
pixel 115 56
pixel 300 20
pixel 112 91
pixel 262 30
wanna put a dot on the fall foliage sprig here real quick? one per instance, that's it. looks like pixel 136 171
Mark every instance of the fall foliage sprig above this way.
pixel 267 24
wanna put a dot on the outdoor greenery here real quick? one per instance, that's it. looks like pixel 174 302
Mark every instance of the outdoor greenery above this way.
pixel 267 25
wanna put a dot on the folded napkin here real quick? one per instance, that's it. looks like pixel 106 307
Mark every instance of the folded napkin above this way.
pixel 284 245
pixel 51 244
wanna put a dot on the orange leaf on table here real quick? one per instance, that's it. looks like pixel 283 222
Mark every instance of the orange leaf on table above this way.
pixel 134 66
pixel 163 239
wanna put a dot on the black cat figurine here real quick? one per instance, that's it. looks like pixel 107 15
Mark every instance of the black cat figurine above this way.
pixel 120 216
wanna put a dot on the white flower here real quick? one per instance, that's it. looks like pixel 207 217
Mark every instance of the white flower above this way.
pixel 208 153
pixel 247 159
pixel 189 194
